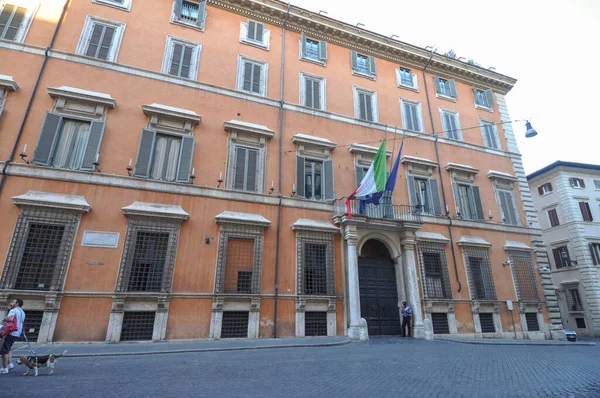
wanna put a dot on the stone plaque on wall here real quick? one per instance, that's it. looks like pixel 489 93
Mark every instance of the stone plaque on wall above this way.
pixel 100 239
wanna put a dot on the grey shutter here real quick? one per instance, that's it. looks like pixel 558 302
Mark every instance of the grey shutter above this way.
pixel 435 196
pixel 415 118
pixel 201 14
pixel 595 260
pixel 323 50
pixel 251 34
pixel 308 95
pixel 475 97
pixel 372 67
pixel 478 203
pixel 93 145
pixel 514 220
pixel 369 107
pixel 252 170
pixel 490 97
pixel 557 261
pixel 186 62
pixel 452 85
pixel 436 79
pixel 362 106
pixel 582 182
pixel 6 13
pixel 185 159
pixel 504 207
pixel 259 32
pixel 360 174
pixel 303 45
pixel 457 201
pixel 92 49
pixel 540 190
pixel 239 168
pixel 411 190
pixel 144 156
pixel 105 45
pixel 328 191
pixel 353 59
pixel 15 24
pixel 46 140
pixel 176 59
pixel 300 177
pixel 316 84
pixel 256 71
pixel 247 76
pixel 177 8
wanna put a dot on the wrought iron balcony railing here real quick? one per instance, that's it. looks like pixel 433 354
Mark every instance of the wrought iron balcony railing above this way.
pixel 385 211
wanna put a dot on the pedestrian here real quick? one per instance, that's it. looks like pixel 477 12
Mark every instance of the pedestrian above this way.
pixel 406 318
pixel 9 339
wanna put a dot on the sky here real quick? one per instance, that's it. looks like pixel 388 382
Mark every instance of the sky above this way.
pixel 551 46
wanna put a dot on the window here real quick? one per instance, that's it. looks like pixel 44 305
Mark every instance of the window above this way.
pixel 235 324
pixel 312 91
pixel 15 19
pixel 439 321
pixel 479 273
pixel 532 322
pixel 406 78
pixel 123 4
pixel 424 194
pixel 246 169
pixel 484 98
pixel 586 212
pixel 149 255
pixel 490 134
pixel 486 322
pixel 434 268
pixel 101 38
pixel 363 64
pixel 315 264
pixel 365 105
pixel 468 199
pixel 315 323
pixel 545 188
pixel 451 124
pixel 40 249
pixel 445 87
pixel 313 176
pixel 164 156
pixel 595 253
pixel 523 275
pixel 576 182
pixel 553 216
pixel 561 257
pixel 573 298
pixel 411 115
pixel 137 326
pixel 508 207
pixel 580 323
pixel 68 143
pixel 252 76
pixel 190 13
pixel 313 50
pixel 254 33
pixel 181 58
pixel 597 184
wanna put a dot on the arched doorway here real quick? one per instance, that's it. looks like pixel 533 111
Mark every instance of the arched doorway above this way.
pixel 378 289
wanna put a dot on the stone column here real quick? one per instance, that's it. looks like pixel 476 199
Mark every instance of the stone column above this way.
pixel 254 318
pixel 356 329
pixel 412 283
pixel 160 320
pixel 300 316
pixel 400 285
pixel 331 318
pixel 51 308
pixel 476 321
pixel 216 318
pixel 115 322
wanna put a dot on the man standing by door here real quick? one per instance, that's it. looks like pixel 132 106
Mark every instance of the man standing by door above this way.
pixel 406 318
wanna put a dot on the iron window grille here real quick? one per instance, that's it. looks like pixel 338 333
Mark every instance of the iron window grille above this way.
pixel 32 324
pixel 486 320
pixel 315 264
pixel 481 282
pixel 532 322
pixel 149 255
pixel 240 259
pixel 40 249
pixel 580 323
pixel 573 298
pixel 439 321
pixel 434 269
pixel 234 325
pixel 315 324
pixel 524 277
pixel 137 326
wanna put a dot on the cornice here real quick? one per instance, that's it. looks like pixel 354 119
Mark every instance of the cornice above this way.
pixel 345 35
pixel 8 82
pixel 169 111
pixel 77 94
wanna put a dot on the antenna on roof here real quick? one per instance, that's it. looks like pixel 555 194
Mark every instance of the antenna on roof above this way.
pixel 392 37
pixel 358 25
pixel 321 12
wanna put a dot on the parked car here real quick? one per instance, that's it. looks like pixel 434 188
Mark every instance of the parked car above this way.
pixel 571 335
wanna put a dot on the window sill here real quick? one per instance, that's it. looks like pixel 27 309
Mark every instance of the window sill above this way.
pixel 256 44
pixel 484 108
pixel 252 93
pixel 113 5
pixel 313 109
pixel 445 97
pixel 412 131
pixel 411 88
pixel 313 61
pixel 365 75
pixel 190 25
pixel 366 121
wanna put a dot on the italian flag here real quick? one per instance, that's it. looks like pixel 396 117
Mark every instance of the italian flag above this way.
pixel 374 180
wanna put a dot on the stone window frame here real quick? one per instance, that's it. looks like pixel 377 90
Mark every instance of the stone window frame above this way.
pixel 504 182
pixel 493 308
pixel 198 25
pixel 125 5
pixel 314 149
pixel 7 84
pixel 474 246
pixel 364 156
pixel 266 35
pixel 433 242
pixel 461 174
pixel 322 50
pixel 516 249
pixel 86 34
pixel 538 309
pixel 322 90
pixel 356 91
pixel 168 54
pixel 247 135
pixel 423 169
pixel 32 8
pixel 264 75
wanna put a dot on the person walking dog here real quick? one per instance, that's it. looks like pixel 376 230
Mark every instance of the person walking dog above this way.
pixel 406 318
pixel 8 339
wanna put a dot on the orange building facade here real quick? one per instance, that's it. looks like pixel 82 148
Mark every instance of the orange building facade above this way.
pixel 180 171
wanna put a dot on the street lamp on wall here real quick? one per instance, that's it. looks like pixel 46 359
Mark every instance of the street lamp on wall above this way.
pixel 530 132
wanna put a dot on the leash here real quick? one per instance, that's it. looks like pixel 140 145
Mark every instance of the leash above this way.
pixel 29 345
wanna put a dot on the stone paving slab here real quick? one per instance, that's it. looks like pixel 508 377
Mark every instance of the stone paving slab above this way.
pixel 517 342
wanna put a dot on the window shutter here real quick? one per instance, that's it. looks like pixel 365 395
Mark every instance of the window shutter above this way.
pixel 411 190
pixel 328 191
pixel 144 156
pixel 557 261
pixel 540 190
pixel 316 94
pixel 511 201
pixel 323 50
pixel 587 206
pixel 251 170
pixel 250 33
pixel 475 96
pixel 176 59
pixel 15 24
pixel 177 8
pixel 415 118
pixel 550 186
pixel 571 183
pixel 435 197
pixel 303 45
pixel 93 145
pixel 490 97
pixel 415 81
pixel 185 159
pixel 186 62
pixel 256 71
pixel 94 40
pixel 308 95
pixel 372 67
pixel 247 76
pixel 408 123
pixel 353 59
pixel 239 168
pixel 259 32
pixel 201 14
pixel 369 107
pixel 452 85
pixel 45 144
pixel 362 106
pixel 595 260
pixel 582 183
pixel 436 79
pixel 6 13
pixel 583 211
pixel 457 198
pixel 360 174
pixel 104 51
pixel 300 177
pixel 477 200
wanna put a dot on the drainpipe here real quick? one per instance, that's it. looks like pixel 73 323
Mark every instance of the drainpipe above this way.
pixel 3 176
pixel 279 178
pixel 437 158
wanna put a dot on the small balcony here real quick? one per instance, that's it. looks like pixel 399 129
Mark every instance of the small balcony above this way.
pixel 381 211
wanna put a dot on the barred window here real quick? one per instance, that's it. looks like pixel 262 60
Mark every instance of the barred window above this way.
pixel 573 298
pixel 532 322
pixel 439 321
pixel 524 277
pixel 240 259
pixel 434 268
pixel 149 255
pixel 40 249
pixel 486 321
pixel 315 263
pixel 479 273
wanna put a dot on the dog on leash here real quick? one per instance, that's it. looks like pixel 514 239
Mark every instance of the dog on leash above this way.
pixel 39 361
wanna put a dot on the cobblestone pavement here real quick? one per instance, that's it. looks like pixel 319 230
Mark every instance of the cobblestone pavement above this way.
pixel 381 367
